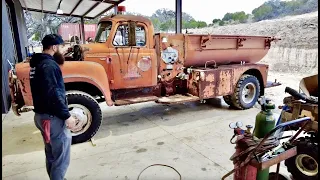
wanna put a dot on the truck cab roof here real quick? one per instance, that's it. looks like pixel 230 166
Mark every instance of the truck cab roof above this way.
pixel 121 17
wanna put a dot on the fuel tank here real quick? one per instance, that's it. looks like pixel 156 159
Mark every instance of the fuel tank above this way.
pixel 201 50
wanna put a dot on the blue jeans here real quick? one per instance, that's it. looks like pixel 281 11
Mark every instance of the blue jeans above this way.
pixel 57 140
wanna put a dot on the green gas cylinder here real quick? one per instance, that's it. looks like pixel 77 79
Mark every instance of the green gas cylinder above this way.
pixel 265 122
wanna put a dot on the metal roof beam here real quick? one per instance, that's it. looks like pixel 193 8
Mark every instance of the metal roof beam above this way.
pixel 104 11
pixel 75 7
pixel 50 12
pixel 95 5
pixel 42 5
pixel 107 1
pixel 109 8
pixel 178 16
pixel 59 5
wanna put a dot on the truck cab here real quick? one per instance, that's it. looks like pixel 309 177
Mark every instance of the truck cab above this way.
pixel 127 63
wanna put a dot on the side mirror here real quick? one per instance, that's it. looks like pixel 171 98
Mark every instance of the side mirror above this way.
pixel 132 34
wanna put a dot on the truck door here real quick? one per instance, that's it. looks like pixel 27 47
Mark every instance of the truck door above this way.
pixel 133 64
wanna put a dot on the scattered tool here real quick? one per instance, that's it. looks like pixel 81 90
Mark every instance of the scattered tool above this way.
pixel 92 142
pixel 253 154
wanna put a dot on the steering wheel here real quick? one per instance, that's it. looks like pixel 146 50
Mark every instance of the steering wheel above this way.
pixel 77 53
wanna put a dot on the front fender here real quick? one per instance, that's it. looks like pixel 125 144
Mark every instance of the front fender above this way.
pixel 89 72
pixel 72 71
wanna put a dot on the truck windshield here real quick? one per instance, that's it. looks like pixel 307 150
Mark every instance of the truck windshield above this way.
pixel 103 32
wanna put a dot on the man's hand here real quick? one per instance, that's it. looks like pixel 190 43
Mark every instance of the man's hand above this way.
pixel 71 122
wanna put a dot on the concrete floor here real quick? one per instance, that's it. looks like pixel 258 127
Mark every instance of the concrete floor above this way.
pixel 193 138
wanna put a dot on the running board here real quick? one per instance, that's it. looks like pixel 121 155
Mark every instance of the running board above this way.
pixel 122 102
pixel 178 98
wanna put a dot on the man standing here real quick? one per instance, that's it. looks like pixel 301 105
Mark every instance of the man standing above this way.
pixel 52 115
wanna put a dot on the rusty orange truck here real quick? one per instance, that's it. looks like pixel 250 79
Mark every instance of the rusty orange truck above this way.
pixel 127 63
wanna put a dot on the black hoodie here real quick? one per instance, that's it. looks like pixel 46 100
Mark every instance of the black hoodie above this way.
pixel 47 87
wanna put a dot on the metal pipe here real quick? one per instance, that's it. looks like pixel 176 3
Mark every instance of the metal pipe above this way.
pixel 82 30
pixel 178 16
pixel 115 8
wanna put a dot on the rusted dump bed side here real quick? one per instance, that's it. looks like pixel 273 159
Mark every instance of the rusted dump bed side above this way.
pixel 208 82
pixel 197 50
pixel 224 49
pixel 178 51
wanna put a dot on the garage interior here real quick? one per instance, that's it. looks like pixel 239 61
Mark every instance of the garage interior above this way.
pixel 191 137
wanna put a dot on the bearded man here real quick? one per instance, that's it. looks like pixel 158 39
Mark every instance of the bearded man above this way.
pixel 52 115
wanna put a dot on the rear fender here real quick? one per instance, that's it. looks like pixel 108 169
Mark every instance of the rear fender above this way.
pixel 89 72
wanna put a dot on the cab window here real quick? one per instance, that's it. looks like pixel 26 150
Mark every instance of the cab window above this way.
pixel 121 37
pixel 103 32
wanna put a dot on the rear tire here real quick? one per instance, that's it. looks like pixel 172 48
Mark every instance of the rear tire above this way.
pixel 246 93
pixel 89 112
pixel 305 164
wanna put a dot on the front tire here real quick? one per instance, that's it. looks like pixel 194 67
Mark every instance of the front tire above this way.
pixel 87 111
pixel 305 164
pixel 246 93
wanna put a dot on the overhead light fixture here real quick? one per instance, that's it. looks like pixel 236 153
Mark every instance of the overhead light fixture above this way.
pixel 59 11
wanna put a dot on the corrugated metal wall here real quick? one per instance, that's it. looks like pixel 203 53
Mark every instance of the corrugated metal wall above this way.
pixel 9 49
pixel 67 30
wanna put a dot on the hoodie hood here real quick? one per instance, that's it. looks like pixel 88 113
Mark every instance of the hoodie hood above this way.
pixel 39 57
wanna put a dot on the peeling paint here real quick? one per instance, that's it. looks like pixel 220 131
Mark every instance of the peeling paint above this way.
pixel 132 72
pixel 224 86
pixel 209 90
pixel 210 78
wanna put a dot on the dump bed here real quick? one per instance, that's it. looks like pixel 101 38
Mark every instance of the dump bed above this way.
pixel 198 50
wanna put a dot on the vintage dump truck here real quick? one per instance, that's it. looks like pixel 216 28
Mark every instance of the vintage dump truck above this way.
pixel 128 63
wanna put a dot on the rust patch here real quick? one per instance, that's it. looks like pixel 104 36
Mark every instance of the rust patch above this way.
pixel 210 78
pixel 132 73
pixel 209 90
pixel 22 82
pixel 224 86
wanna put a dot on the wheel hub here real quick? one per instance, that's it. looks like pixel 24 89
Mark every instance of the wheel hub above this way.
pixel 248 93
pixel 307 165
pixel 83 118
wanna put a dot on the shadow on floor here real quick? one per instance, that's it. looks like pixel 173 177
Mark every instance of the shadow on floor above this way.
pixel 140 117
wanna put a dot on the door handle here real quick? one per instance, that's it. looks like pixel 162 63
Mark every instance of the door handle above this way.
pixel 109 60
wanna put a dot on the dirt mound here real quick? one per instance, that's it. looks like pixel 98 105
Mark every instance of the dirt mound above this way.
pixel 295 31
pixel 296 52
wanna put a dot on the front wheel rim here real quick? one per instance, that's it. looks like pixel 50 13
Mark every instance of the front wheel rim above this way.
pixel 83 117
pixel 249 92
pixel 307 165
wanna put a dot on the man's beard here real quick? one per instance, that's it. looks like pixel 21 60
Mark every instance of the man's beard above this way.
pixel 59 58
